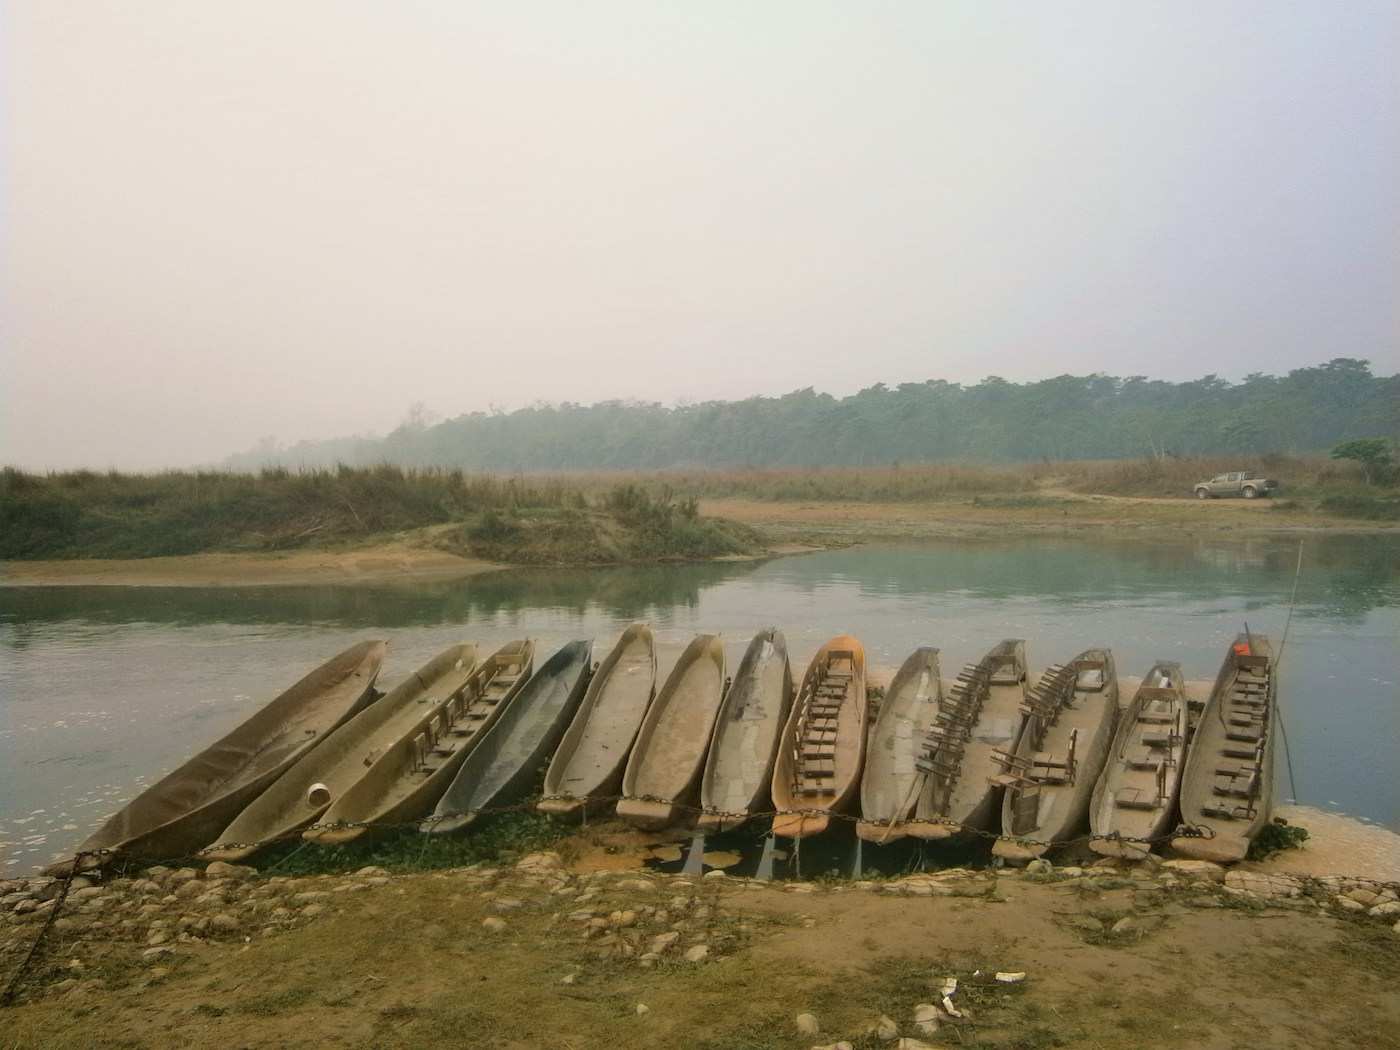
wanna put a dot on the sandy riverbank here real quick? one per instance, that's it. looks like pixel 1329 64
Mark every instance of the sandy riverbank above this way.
pixel 792 526
pixel 399 560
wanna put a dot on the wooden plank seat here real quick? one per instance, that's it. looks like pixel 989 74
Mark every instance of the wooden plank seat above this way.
pixel 1235 769
pixel 441 730
pixel 1136 798
pixel 1242 785
pixel 1155 717
pixel 1228 810
pixel 1251 734
pixel 1142 759
pixel 1241 749
pixel 1248 703
pixel 1158 738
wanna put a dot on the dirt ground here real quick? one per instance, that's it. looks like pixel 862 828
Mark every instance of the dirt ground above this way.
pixel 589 948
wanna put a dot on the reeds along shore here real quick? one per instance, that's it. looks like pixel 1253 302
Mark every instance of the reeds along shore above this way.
pixel 583 518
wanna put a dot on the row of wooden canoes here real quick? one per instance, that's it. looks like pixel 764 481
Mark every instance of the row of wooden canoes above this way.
pixel 987 751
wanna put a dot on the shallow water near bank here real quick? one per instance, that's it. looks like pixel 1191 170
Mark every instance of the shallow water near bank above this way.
pixel 103 690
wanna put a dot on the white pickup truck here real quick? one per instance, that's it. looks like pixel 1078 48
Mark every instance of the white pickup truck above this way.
pixel 1244 483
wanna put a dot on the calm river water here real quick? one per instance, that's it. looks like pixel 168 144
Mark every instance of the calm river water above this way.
pixel 103 690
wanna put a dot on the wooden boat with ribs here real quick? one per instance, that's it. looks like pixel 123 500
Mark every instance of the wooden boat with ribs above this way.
pixel 980 715
pixel 404 783
pixel 1228 781
pixel 822 748
pixel 1135 799
pixel 1070 717
pixel 304 792
pixel 502 767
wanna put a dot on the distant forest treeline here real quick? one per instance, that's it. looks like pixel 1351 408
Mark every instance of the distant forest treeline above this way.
pixel 1065 418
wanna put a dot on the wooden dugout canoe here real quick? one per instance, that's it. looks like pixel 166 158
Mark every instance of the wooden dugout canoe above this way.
pixel 662 777
pixel 502 767
pixel 183 811
pixel 1070 718
pixel 822 747
pixel 592 756
pixel 891 783
pixel 304 792
pixel 979 716
pixel 1227 783
pixel 738 776
pixel 406 781
pixel 1135 799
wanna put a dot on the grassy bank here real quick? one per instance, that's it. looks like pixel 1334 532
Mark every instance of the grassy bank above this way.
pixel 1308 484
pixel 596 518
pixel 509 520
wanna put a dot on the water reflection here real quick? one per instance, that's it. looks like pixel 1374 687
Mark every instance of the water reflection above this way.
pixel 625 593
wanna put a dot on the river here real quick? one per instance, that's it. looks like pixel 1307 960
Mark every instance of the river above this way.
pixel 104 689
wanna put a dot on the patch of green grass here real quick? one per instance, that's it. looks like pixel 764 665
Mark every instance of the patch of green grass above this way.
pixel 491 842
pixel 276 1002
pixel 1275 837
pixel 1105 935
pixel 1369 945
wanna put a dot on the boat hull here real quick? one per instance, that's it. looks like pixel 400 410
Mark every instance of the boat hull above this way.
pixel 1135 800
pixel 1060 758
pixel 186 810
pixel 822 748
pixel 587 768
pixel 981 716
pixel 404 783
pixel 501 768
pixel 737 781
pixel 662 778
pixel 891 782
pixel 1227 783
pixel 308 789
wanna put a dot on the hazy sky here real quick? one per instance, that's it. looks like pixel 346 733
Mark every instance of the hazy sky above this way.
pixel 224 221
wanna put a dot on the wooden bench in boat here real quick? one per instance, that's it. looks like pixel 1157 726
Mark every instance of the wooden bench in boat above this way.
pixel 1142 758
pixel 1160 738
pixel 1237 779
pixel 1251 734
pixel 1136 798
pixel 1229 810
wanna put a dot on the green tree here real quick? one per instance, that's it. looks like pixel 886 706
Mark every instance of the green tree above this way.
pixel 1374 455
